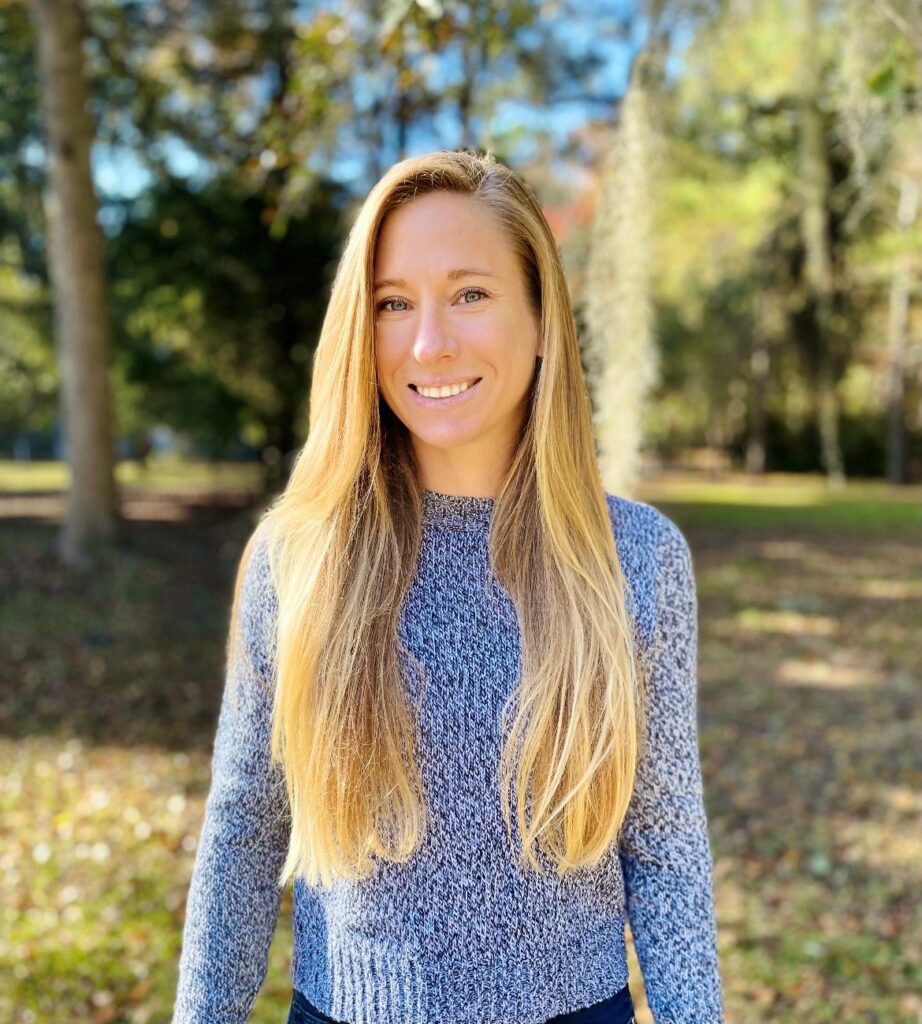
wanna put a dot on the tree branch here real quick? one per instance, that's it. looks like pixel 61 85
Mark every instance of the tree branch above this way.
pixel 912 34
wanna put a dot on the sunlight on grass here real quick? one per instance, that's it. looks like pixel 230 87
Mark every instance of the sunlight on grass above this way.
pixel 823 673
pixel 775 489
pixel 770 492
pixel 784 550
pixel 903 801
pixel 788 623
pixel 890 590
pixel 98 838
pixel 784 500
pixel 891 842
pixel 159 474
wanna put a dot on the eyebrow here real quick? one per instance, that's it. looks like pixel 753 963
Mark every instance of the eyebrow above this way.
pixel 452 275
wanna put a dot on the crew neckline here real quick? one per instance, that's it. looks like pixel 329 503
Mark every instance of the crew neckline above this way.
pixel 457 511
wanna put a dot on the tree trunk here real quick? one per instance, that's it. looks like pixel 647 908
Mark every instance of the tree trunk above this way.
pixel 466 93
pixel 619 306
pixel 756 436
pixel 818 271
pixel 899 336
pixel 76 267
pixel 401 100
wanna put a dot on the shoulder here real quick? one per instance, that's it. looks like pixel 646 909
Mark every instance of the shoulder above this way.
pixel 258 597
pixel 655 558
pixel 644 532
pixel 255 561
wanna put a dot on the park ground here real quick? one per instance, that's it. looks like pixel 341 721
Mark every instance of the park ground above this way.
pixel 810 671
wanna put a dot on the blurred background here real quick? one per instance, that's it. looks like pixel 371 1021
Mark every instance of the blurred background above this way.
pixel 736 190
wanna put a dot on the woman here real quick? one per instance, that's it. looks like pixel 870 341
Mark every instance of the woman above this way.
pixel 443 615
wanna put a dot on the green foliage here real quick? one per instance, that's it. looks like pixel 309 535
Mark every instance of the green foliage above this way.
pixel 28 371
pixel 219 280
pixel 730 272
pixel 217 316
pixel 261 103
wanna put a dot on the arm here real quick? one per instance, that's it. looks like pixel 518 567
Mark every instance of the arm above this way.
pixel 665 852
pixel 233 900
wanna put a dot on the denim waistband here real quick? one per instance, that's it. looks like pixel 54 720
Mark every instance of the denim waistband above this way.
pixel 616 1009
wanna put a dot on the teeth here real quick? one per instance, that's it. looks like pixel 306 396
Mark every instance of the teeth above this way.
pixel 449 389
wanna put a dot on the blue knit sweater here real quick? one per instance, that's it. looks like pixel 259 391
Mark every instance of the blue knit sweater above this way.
pixel 459 935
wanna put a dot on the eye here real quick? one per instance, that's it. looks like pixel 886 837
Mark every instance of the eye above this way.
pixel 471 291
pixel 385 302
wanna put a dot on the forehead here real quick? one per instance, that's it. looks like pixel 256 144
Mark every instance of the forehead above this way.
pixel 436 230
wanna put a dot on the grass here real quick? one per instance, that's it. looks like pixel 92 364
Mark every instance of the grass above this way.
pixel 810 725
pixel 158 474
pixel 787 500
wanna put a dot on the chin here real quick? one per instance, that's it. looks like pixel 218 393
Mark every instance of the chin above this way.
pixel 443 439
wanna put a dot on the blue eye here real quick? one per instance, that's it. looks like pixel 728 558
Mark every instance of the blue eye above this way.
pixel 385 303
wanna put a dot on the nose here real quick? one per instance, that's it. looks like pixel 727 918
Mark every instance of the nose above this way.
pixel 434 338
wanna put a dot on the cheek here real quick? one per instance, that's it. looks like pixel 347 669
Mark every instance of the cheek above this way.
pixel 382 373
pixel 385 360
pixel 487 335
pixel 517 337
pixel 390 361
pixel 391 342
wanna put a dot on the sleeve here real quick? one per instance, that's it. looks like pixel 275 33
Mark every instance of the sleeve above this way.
pixel 233 900
pixel 665 851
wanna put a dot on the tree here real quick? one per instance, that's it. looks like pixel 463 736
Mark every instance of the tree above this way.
pixel 909 24
pixel 76 264
pixel 218 316
pixel 881 76
pixel 736 311
pixel 618 310
pixel 619 303
pixel 816 185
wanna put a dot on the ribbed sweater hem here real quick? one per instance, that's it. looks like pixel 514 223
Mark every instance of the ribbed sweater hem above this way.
pixel 375 984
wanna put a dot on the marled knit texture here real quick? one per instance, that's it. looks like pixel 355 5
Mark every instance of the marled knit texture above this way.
pixel 459 934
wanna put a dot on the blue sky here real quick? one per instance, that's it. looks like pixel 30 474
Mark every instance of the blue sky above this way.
pixel 119 173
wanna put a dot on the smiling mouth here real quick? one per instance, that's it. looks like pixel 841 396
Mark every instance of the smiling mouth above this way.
pixel 448 391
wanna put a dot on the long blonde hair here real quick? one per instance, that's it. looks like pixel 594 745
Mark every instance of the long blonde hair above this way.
pixel 343 543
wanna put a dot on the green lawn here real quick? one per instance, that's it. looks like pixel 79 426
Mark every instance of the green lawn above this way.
pixel 160 474
pixel 810 728
pixel 783 500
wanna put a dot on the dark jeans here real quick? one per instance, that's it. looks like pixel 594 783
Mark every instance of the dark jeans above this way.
pixel 617 1009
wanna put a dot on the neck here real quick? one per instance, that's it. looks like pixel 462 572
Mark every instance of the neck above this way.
pixel 472 471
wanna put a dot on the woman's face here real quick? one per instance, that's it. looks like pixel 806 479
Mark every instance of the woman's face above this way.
pixel 451 308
